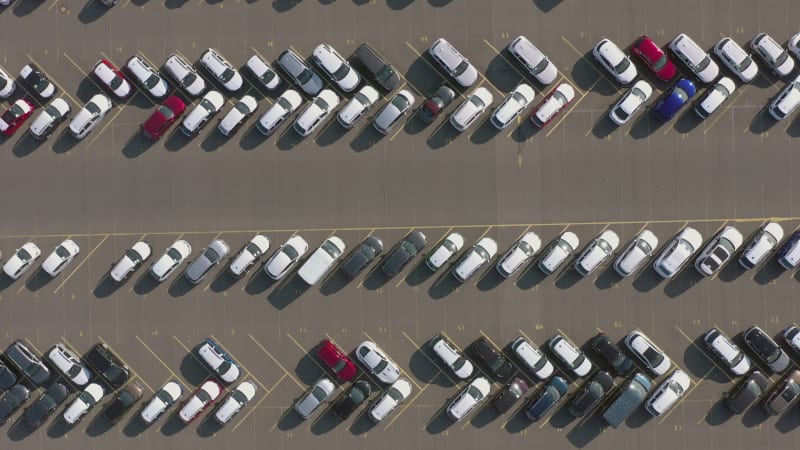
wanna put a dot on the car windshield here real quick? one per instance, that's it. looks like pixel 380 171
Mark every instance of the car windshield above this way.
pixel 12 113
pixel 52 112
pixel 475 393
pixel 23 255
pixel 477 101
pixel 203 397
pixel 115 82
pixel 166 112
pixel 242 108
pixel 604 246
pixel 638 94
pixel 661 62
pixel 319 101
pixel 722 90
pixel 361 98
pixel 74 371
pixel 48 402
pixel 781 58
pixel 519 98
pixel 37 81
pixel 400 102
pixel 644 246
pixel 395 394
pixel 87 398
pixel 318 393
pixel 92 108
pixel 304 76
pixel 189 79
pixel 239 397
pixel 703 64
pixel 562 99
pixel 134 256
pixel 622 66
pixel 482 252
pixel 676 388
pixel 267 77
pixel 224 367
pixel 384 74
pixel 381 366
pixel 653 357
pixel 174 254
pixel 62 251
pixel 226 75
pixel 341 72
pixel 331 249
pixel 151 81
pixel 620 111
pixel 290 252
pixel 541 66
pixel 681 94
pixel 284 104
pixel 720 253
pixel 164 397
pixel 252 249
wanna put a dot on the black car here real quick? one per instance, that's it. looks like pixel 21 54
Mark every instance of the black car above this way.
pixel 500 366
pixel 7 377
pixel 12 400
pixel 590 394
pixel 27 362
pixel 37 79
pixel 746 392
pixel 362 256
pixel 407 249
pixel 352 399
pixel 545 398
pixel 435 103
pixel 123 402
pixel 766 349
pixel 107 364
pixel 609 351
pixel 45 404
pixel 509 395
pixel 377 67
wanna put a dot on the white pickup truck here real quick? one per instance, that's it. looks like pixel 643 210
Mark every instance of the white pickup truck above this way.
pixel 322 260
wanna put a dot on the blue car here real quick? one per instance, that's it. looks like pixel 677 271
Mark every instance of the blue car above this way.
pixel 677 96
pixel 547 397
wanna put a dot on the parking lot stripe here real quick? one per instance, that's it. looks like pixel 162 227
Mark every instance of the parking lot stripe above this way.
pixel 81 263
pixel 574 105
pixel 129 366
pixel 687 393
pixel 247 372
pixel 599 71
pixel 258 403
pixel 433 363
pixel 509 63
pixel 445 79
pixel 708 357
pixel 406 406
pixel 122 106
pixel 306 353
pixel 161 361
pixel 263 349
pixel 85 74
pixel 730 104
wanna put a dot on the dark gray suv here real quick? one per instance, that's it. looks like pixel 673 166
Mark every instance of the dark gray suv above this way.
pixel 746 392
pixel 27 362
pixel 362 256
pixel 408 248
pixel 379 69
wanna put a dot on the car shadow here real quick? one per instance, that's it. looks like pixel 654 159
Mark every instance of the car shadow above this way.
pixel 546 5
pixel 531 277
pixel 422 76
pixel 445 285
pixel 64 143
pixel 214 140
pixel 24 8
pixel 223 281
pixel 326 422
pixel 788 421
pixel 172 425
pixel 251 139
pixel 376 279
pixel 718 414
pixel 332 133
pixel 99 425
pixel 561 418
pixel 5 282
pixel 685 280
pixel 362 425
pixel 638 419
pixel 762 122
pixel 647 279
pixel 442 135
pixel 439 423
pixel 193 371
pixel 174 4
pixel 177 140
pixel 422 366
pixel 25 145
pixel 290 419
pixel 38 280
pixel 490 279
pixel 603 127
pixel 208 427
pixel 335 283
pixel 145 284
pixel 485 132
pixel 503 75
pixel 518 422
pixel 419 274
pixel 687 121
pixel 485 416
pixel 135 425
pixel 608 278
pixel 586 431
pixel 258 282
pixel 794 129
pixel 105 287
pixel 645 125
pixel 366 138
pixel 754 416
pixel 769 272
pixel 568 277
pixel 701 365
pixel 136 145
pixel 415 125
pixel 180 286
pixel 58 428
pixel 525 130
pixel 397 5
pixel 287 292
pixel 91 11
pixel 731 271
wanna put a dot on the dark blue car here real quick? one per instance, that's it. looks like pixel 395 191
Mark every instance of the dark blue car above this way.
pixel 671 102
pixel 547 397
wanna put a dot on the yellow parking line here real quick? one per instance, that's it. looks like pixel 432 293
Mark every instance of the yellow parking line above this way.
pixel 489 339
pixel 263 349
pixel 455 383
pixel 406 406
pixel 445 79
pixel 81 263
pixel 575 105
pixel 150 350
pixel 122 106
pixel 685 395
pixel 730 104
pixel 592 64
pixel 247 372
pixel 708 357
pixel 129 366
pixel 306 354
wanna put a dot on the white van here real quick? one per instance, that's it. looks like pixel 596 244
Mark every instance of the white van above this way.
pixel 321 261
pixel 695 58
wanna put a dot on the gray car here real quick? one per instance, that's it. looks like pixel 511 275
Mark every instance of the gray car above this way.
pixel 397 107
pixel 27 362
pixel 746 392
pixel 45 404
pixel 362 256
pixel 300 73
pixel 12 400
pixel 210 257
pixel 412 244
pixel 378 68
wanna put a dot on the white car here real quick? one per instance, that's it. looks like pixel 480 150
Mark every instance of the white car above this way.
pixel 791 335
pixel 322 260
pixel 38 80
pixel 445 251
pixel 513 105
pixel 787 100
pixel 219 361
pixel 283 107
pixel 22 260
pixel 714 97
pixel 130 261
pixel 377 363
pixel 694 57
pixel 393 111
pixel 83 403
pixel 51 116
pixel 475 258
pixel 668 393
pixel 532 358
pixel 263 72
pixel 147 76
pixel 471 108
pixel 236 400
pixel 678 252
pixel 397 393
pixel 204 396
pixel 734 358
pixel 476 392
pixel 69 363
pixel 597 252
pixel 185 75
pixel 248 256
pixel 630 103
pixel 314 397
pixel 651 357
pixel 316 112
pixel 221 69
pixel 736 59
pixel 240 111
pixel 533 60
pixel 565 246
pixel 208 107
pixel 165 397
pixel 286 257
pixel 772 54
pixel 615 61
pixel 761 245
pixel 570 356
pixel 336 68
pixel 451 356
pixel 719 251
pixel 558 98
pixel 361 102
pixel 60 257
pixel 170 260
pixel 517 256
pixel 794 45
pixel 456 65
pixel 7 84
pixel 89 116
pixel 112 78
pixel 636 253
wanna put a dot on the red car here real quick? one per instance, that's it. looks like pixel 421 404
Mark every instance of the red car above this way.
pixel 655 58
pixel 336 360
pixel 15 116
pixel 163 117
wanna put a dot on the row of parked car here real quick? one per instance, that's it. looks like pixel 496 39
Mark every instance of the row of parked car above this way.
pixel 671 259
pixel 26 370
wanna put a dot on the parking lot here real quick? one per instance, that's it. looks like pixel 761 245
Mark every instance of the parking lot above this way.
pixel 580 173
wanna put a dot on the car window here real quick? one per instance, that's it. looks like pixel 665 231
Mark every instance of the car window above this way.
pixel 562 99
pixel 622 66
pixel 475 393
pixel 23 255
pixel 242 108
pixel 166 112
pixel 62 252
pixel 92 108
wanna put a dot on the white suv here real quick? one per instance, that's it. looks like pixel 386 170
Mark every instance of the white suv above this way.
pixel 185 75
pixel 787 101
pixel 170 260
pixel 764 242
pixel 651 357
pixel 471 396
pixel 286 257
pixel 221 69
pixel 678 252
pixel 336 68
pixel 283 107
pixel 736 59
pixel 147 76
pixel 238 114
pixel 532 358
pixel 695 58
pixel 451 356
pixel 130 261
pixel 361 102
pixel 316 112
pixel 517 256
pixel 714 97
pixel 472 107
pixel 322 260
pixel 209 106
pixel 513 105
pixel 89 116
pixel 69 363
pixel 773 55
pixel 445 251
pixel 51 117
pixel 559 252
pixel 263 72
pixel 397 393
pixel 630 103
pixel 636 253
pixel 248 256
pixel 596 252
pixel 475 258
pixel 615 61
pixel 85 401
pixel 736 361
pixel 668 393
pixel 456 65
pixel 236 400
pixel 719 251
pixel 570 356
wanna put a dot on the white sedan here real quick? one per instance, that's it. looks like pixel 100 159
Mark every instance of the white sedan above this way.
pixel 512 106
pixel 615 61
pixel 60 257
pixel 236 400
pixel 651 357
pixel 240 111
pixel 597 252
pixel 377 363
pixel 314 397
pixel 636 253
pixel 668 393
pixel 286 257
pixel 22 260
pixel 130 261
pixel 518 255
pixel 165 397
pixel 70 364
pixel 397 393
pixel 170 260
pixel 677 252
pixel 631 102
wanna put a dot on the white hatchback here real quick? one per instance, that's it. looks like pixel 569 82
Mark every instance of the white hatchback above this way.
pixel 49 118
pixel 361 102
pixel 130 261
pixel 714 97
pixel 60 257
pixel 668 393
pixel 286 257
pixel 83 403
pixel 517 256
pixel 221 69
pixel 736 59
pixel 560 97
pixel 761 245
pixel 316 112
pixel 165 397
pixel 636 253
pixel 314 397
pixel 240 111
pixel 678 252
pixel 655 360
pixel 615 61
pixel 336 68
pixel 630 103
pixel 772 54
pixel 596 252
pixel 209 105
pixel 471 396
pixel 532 358
pixel 472 108
pixel 393 111
pixel 513 105
pixel 445 251
pixel 236 400
pixel 248 256
pixel 283 107
pixel 170 260
pixel 475 258
pixel 22 260
pixel 147 76
pixel 451 356
pixel 559 252
pixel 397 393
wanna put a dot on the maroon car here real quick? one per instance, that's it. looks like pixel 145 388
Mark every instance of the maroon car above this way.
pixel 336 360
pixel 655 58
pixel 163 117
pixel 15 116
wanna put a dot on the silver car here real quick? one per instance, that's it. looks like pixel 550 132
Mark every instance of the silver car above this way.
pixel 210 257
pixel 300 73
pixel 397 107
pixel 314 397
